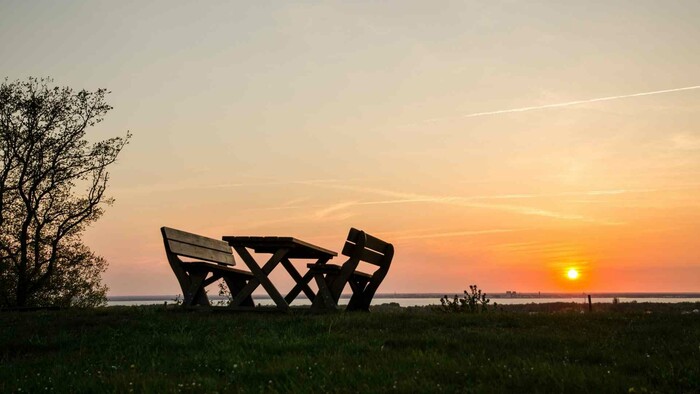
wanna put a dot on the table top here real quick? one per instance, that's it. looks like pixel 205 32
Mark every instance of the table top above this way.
pixel 298 248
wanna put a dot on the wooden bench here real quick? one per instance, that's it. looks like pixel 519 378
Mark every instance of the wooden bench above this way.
pixel 213 261
pixel 332 278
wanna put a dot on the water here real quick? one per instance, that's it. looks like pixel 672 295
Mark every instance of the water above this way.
pixel 423 300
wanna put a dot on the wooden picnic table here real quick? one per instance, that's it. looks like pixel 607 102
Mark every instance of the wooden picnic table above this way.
pixel 282 250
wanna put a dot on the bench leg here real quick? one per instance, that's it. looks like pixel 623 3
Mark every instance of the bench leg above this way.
pixel 324 300
pixel 195 294
pixel 235 284
pixel 358 301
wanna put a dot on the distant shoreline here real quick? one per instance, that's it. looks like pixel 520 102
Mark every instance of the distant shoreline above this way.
pixel 440 295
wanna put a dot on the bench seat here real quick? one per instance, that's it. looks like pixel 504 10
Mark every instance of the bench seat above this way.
pixel 199 265
pixel 333 268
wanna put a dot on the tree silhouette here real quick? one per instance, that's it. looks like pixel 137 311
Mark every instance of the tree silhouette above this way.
pixel 52 185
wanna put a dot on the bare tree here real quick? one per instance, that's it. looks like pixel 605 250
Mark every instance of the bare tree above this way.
pixel 45 161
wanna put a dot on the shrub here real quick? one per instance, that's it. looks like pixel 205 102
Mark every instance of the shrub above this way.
pixel 473 301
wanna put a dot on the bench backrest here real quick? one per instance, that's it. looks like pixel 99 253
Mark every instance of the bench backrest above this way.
pixel 195 246
pixel 368 248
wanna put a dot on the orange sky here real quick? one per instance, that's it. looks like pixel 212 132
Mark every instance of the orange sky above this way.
pixel 394 117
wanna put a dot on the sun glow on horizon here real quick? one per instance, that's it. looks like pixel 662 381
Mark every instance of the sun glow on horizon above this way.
pixel 572 274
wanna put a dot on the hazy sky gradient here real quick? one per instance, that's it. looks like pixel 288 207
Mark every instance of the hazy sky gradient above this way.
pixel 304 119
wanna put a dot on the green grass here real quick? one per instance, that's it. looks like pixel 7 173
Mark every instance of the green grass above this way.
pixel 153 349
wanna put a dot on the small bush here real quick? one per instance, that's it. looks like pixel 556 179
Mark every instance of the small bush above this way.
pixel 226 293
pixel 473 301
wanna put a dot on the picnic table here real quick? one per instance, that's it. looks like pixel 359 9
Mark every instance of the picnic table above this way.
pixel 282 249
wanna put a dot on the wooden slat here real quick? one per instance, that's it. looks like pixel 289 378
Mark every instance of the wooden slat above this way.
pixel 221 269
pixel 317 250
pixel 373 243
pixel 324 267
pixel 197 240
pixel 368 255
pixel 298 248
pixel 257 242
pixel 198 252
pixel 362 274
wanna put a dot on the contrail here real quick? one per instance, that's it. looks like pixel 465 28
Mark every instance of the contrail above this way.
pixel 566 104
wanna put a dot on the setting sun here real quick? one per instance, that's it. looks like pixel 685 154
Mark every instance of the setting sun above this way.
pixel 572 274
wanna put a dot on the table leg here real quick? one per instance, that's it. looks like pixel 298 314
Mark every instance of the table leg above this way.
pixel 261 277
pixel 302 283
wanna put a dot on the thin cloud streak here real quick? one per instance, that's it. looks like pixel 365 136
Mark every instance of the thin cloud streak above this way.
pixel 290 205
pixel 459 233
pixel 469 203
pixel 335 210
pixel 323 210
pixel 559 105
pixel 346 204
pixel 183 187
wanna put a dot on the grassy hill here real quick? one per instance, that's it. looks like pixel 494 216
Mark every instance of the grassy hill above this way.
pixel 154 349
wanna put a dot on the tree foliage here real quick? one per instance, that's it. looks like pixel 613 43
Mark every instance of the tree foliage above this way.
pixel 52 186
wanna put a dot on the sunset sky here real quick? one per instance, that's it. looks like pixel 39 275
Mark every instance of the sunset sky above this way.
pixel 304 119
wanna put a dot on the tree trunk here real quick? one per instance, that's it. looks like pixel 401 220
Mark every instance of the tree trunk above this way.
pixel 22 292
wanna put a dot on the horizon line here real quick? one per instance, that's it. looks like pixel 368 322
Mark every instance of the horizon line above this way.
pixel 524 294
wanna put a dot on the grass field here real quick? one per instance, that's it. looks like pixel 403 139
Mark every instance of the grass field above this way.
pixel 154 349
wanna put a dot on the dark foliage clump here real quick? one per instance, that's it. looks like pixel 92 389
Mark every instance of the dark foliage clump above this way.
pixel 52 186
pixel 473 301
